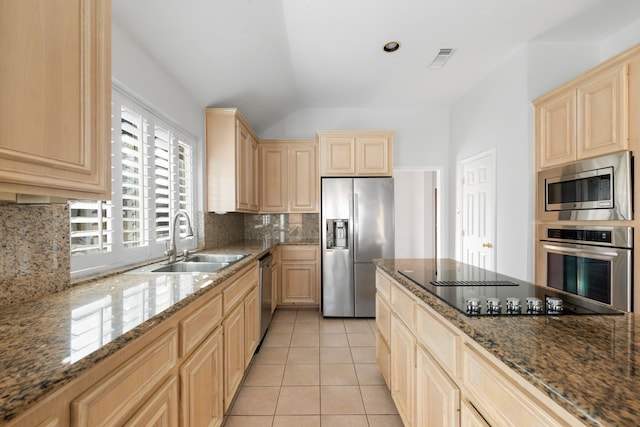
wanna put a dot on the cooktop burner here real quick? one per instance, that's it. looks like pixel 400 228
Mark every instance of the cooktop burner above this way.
pixel 478 292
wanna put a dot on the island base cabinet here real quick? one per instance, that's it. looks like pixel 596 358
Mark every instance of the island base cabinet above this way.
pixel 437 396
pixel 383 357
pixel 500 400
pixel 403 350
pixel 469 417
pixel 202 385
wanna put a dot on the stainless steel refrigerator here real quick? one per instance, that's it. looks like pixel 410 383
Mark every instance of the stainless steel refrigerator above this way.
pixel 357 226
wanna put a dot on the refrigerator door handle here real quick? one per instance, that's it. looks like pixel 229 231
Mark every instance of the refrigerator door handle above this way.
pixel 355 224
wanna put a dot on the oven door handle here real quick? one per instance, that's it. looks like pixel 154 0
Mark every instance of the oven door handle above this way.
pixel 599 252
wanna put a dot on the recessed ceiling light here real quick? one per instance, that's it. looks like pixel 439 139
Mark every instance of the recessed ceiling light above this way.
pixel 391 46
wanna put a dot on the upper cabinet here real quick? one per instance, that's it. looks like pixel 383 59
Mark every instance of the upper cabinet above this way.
pixel 232 162
pixel 356 153
pixel 584 118
pixel 289 176
pixel 55 107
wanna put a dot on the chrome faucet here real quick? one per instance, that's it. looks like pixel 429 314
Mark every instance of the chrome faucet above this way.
pixel 171 251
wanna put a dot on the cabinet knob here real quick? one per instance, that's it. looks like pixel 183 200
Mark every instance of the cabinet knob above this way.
pixel 486 245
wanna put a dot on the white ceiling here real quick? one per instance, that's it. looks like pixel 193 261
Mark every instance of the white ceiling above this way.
pixel 270 57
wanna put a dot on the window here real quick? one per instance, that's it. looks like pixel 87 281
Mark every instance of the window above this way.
pixel 152 173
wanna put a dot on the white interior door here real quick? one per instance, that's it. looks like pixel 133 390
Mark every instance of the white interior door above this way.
pixel 478 211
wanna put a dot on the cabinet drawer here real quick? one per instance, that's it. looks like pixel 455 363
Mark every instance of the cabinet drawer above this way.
pixel 113 400
pixel 383 285
pixel 199 324
pixel 161 409
pixel 234 293
pixel 299 253
pixel 500 400
pixel 442 341
pixel 403 305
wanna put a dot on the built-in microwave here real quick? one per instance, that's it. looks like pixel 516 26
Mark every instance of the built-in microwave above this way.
pixel 593 189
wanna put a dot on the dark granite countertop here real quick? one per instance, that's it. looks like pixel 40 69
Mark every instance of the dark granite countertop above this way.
pixel 49 341
pixel 587 364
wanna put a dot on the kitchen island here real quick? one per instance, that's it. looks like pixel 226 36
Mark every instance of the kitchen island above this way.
pixel 586 364
pixel 49 342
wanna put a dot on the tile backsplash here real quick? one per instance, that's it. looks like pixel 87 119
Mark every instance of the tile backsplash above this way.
pixel 35 258
pixel 34 251
pixel 281 226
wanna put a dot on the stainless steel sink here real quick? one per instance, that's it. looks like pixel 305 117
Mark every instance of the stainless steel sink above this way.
pixel 192 267
pixel 230 258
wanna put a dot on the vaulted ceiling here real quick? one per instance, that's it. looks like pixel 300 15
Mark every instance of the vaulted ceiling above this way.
pixel 270 57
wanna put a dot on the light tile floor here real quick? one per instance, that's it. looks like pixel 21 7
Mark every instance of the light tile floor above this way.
pixel 312 372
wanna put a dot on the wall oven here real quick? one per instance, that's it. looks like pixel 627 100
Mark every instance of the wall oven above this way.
pixel 591 189
pixel 595 262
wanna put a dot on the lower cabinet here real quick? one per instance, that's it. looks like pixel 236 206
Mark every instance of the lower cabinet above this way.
pixel 202 385
pixel 234 358
pixel 469 417
pixel 161 409
pixel 300 275
pixel 403 351
pixel 438 395
pixel 251 324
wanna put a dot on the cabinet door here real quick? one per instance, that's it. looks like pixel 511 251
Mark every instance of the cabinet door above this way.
pixel 243 167
pixel 274 190
pixel 438 394
pixel 303 178
pixel 469 417
pixel 602 114
pixel 337 156
pixel 234 361
pixel 373 155
pixel 161 410
pixel 275 285
pixel 251 324
pixel 298 283
pixel 55 108
pixel 383 357
pixel 556 130
pixel 403 353
pixel 202 384
pixel 253 177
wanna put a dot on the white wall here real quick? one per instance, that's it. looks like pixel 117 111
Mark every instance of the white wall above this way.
pixel 495 114
pixel 133 69
pixel 624 39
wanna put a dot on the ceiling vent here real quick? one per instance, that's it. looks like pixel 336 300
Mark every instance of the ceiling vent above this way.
pixel 441 58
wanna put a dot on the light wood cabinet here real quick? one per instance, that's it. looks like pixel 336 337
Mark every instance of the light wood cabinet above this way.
pixel 438 395
pixel 290 181
pixel 299 275
pixel 403 353
pixel 441 377
pixel 356 153
pixel 469 417
pixel 203 385
pixel 383 337
pixel 161 410
pixel 232 162
pixel 251 324
pixel 114 400
pixel 234 358
pixel 583 119
pixel 55 108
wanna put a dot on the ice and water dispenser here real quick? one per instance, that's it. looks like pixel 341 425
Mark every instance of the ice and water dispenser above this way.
pixel 337 233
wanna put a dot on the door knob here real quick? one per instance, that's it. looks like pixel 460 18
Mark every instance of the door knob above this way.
pixel 486 245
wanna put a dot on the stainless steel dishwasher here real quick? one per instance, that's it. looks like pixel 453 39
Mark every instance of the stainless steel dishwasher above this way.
pixel 266 269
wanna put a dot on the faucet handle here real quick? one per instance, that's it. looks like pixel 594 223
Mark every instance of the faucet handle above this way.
pixel 168 251
pixel 185 254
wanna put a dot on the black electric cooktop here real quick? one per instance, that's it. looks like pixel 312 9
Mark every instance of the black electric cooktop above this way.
pixel 478 292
